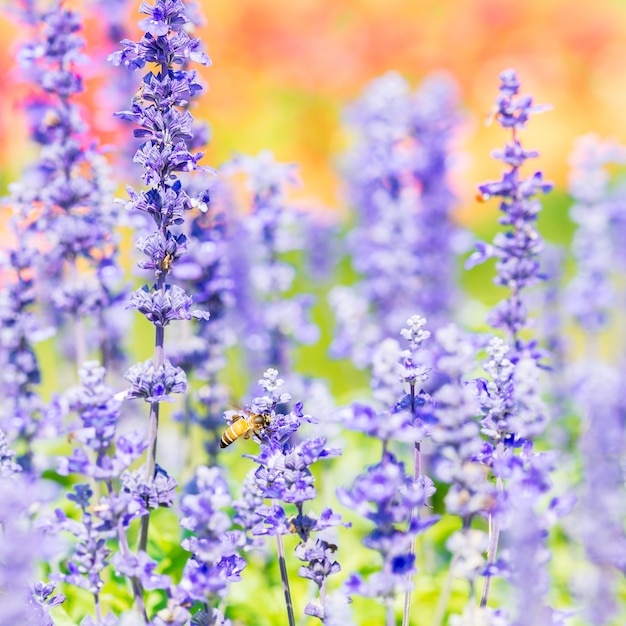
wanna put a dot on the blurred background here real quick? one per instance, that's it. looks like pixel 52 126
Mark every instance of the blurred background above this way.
pixel 284 70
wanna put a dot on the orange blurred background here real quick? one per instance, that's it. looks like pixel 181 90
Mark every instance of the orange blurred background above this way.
pixel 284 69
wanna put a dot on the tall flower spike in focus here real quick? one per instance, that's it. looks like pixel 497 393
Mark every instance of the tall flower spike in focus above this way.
pixel 516 250
pixel 513 411
pixel 165 125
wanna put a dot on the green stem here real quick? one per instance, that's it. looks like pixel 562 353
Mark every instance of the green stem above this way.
pixel 285 579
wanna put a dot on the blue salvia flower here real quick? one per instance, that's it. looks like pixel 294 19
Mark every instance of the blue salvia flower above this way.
pixel 526 531
pixel 166 126
pixel 23 414
pixel 402 242
pixel 61 217
pixel 205 268
pixel 65 196
pixel 602 504
pixel 271 321
pixel 104 455
pixel 457 460
pixel 91 555
pixel 214 561
pixel 396 382
pixel 553 334
pixel 384 493
pixel 513 411
pixel 596 385
pixel 434 118
pixel 23 545
pixel 284 477
pixel 456 432
pixel 591 293
pixel 516 250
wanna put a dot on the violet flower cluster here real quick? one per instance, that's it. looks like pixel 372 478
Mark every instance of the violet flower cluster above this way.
pixel 516 250
pixel 23 414
pixel 513 411
pixel 63 226
pixel 271 320
pixel 402 245
pixel 165 124
pixel 592 293
pixel 23 546
pixel 214 562
pixel 595 384
pixel 384 493
pixel 64 199
pixel 284 477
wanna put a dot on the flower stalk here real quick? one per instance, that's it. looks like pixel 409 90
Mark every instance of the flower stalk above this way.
pixel 160 109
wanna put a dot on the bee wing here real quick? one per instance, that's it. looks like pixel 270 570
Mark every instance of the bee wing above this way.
pixel 233 416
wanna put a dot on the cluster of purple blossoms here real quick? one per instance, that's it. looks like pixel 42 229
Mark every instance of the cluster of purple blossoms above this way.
pixel 284 477
pixel 596 385
pixel 23 546
pixel 24 417
pixel 402 244
pixel 516 250
pixel 214 546
pixel 166 126
pixel 101 454
pixel 456 432
pixel 271 321
pixel 63 226
pixel 591 293
pixel 63 205
pixel 104 456
pixel 385 494
pixel 513 411
pixel 599 515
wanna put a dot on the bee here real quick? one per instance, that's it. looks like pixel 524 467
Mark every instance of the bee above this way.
pixel 243 424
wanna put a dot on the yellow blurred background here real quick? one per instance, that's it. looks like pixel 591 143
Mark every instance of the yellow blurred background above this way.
pixel 284 69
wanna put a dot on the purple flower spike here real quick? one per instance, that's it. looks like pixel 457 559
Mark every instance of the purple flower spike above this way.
pixel 160 109
pixel 271 319
pixel 517 250
pixel 596 211
pixel 403 243
pixel 284 477
pixel 214 561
